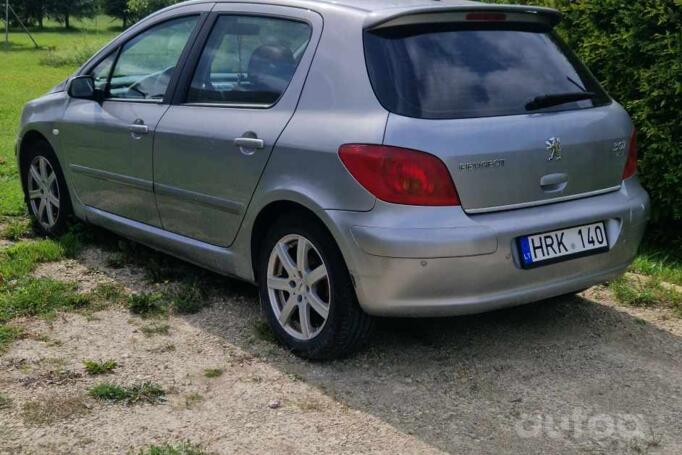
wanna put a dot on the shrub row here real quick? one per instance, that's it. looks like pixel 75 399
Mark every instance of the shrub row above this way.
pixel 635 49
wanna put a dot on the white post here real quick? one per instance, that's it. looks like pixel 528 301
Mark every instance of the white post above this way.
pixel 7 23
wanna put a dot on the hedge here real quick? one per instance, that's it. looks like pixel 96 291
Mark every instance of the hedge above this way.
pixel 635 49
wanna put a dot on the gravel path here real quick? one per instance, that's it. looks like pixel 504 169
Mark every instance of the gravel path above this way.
pixel 569 375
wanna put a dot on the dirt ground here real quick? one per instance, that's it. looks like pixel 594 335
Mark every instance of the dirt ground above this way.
pixel 569 375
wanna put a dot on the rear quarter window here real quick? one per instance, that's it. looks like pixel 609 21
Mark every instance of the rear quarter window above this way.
pixel 447 71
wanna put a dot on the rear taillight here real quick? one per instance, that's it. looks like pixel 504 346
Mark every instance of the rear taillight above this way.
pixel 631 163
pixel 400 176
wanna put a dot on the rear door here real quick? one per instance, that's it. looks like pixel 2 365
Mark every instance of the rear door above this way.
pixel 212 145
pixel 463 90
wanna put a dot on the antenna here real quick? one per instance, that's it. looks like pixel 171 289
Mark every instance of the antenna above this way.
pixel 9 9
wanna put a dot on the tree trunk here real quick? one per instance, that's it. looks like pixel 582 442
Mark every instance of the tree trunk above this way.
pixel 66 20
pixel 40 22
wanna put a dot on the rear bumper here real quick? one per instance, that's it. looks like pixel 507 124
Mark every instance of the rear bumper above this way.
pixel 420 261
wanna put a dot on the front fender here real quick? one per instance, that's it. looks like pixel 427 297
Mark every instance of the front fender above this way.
pixel 42 116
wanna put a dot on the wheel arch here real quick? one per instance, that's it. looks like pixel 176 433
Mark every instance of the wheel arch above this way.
pixel 29 139
pixel 270 212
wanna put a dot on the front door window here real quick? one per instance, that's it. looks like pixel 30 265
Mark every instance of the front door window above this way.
pixel 147 62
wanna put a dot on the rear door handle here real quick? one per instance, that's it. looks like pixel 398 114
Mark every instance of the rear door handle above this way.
pixel 249 143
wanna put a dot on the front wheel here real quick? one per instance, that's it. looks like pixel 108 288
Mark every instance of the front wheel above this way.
pixel 306 291
pixel 47 197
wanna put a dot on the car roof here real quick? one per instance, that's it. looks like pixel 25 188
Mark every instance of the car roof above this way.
pixel 378 5
pixel 372 6
pixel 378 11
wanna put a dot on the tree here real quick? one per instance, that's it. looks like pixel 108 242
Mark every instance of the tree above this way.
pixel 30 12
pixel 139 9
pixel 117 9
pixel 63 10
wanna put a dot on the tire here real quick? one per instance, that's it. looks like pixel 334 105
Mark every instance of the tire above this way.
pixel 45 192
pixel 283 297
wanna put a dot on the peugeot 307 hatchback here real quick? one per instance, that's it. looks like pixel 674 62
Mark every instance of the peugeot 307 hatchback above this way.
pixel 354 158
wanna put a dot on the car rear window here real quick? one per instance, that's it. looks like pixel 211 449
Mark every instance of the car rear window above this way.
pixel 447 71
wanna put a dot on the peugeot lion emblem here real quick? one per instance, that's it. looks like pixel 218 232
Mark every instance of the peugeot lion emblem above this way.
pixel 554 148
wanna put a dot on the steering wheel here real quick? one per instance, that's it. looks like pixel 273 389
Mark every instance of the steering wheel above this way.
pixel 152 81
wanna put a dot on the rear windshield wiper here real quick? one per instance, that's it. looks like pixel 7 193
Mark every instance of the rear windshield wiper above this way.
pixel 540 102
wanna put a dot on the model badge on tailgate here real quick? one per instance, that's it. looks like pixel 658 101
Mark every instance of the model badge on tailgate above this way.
pixel 478 165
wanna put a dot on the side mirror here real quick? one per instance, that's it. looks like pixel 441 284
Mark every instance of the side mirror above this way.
pixel 83 87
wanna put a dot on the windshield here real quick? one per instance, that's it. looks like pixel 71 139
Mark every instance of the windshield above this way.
pixel 447 71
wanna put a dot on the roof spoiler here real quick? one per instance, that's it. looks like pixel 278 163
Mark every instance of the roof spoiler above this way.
pixel 482 14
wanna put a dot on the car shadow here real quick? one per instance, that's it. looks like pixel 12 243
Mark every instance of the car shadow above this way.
pixel 508 379
pixel 563 375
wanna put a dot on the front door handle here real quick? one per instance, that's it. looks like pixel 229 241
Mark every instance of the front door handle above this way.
pixel 249 143
pixel 136 128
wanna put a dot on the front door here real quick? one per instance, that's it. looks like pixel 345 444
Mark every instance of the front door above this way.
pixel 109 145
pixel 212 146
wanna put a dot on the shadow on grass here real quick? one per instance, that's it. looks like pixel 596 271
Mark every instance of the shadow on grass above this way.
pixel 60 29
pixel 20 47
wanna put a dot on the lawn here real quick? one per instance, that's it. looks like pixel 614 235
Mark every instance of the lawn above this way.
pixel 25 74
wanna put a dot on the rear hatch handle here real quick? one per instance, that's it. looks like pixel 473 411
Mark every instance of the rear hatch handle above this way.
pixel 554 183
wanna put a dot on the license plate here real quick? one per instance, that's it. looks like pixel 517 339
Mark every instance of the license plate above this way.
pixel 562 245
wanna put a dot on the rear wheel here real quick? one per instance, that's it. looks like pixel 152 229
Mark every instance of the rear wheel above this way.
pixel 47 197
pixel 306 291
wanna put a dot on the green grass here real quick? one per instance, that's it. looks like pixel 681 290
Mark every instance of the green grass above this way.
pixel 24 77
pixel 96 368
pixel 147 304
pixel 28 73
pixel 73 56
pixel 38 297
pixel 155 329
pixel 647 292
pixel 16 228
pixel 52 409
pixel 18 260
pixel 24 296
pixel 189 299
pixel 263 332
pixel 182 448
pixel 192 400
pixel 108 392
pixel 147 392
pixel 213 372
pixel 8 333
pixel 5 402
pixel 106 294
pixel 661 264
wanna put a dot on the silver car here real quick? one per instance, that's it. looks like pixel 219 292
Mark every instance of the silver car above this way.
pixel 354 158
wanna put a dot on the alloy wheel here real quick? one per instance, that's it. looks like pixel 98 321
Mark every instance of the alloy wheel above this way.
pixel 43 192
pixel 299 288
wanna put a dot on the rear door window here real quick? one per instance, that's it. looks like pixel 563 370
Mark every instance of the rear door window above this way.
pixel 249 60
pixel 448 71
